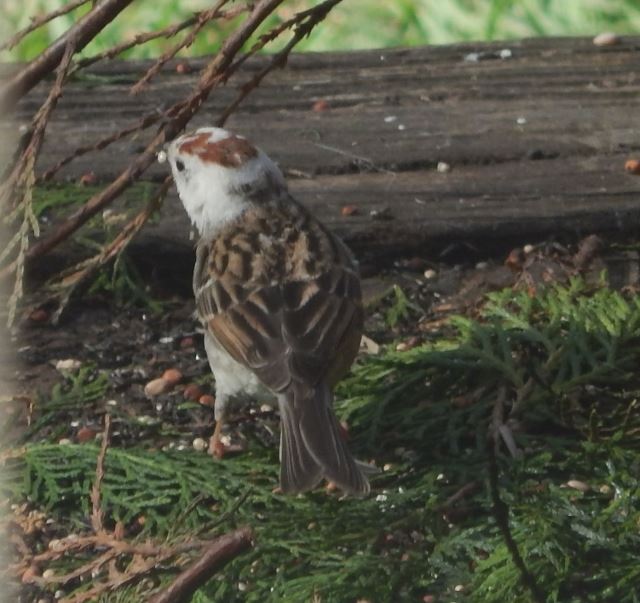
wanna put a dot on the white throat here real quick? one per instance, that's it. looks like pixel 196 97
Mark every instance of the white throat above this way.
pixel 214 193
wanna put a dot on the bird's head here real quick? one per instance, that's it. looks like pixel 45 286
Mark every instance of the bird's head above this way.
pixel 219 175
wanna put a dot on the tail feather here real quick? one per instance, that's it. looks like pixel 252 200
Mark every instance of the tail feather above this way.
pixel 299 471
pixel 311 445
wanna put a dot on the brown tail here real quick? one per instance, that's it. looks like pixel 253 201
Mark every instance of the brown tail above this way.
pixel 311 446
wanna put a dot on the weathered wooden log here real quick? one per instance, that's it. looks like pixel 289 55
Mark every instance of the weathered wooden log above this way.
pixel 535 132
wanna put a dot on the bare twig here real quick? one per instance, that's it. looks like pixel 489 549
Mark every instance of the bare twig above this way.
pixel 97 515
pixel 37 22
pixel 148 120
pixel 203 18
pixel 106 540
pixel 216 72
pixel 75 276
pixel 216 556
pixel 181 113
pixel 313 17
pixel 81 33
pixel 144 123
pixel 167 32
pixel 144 558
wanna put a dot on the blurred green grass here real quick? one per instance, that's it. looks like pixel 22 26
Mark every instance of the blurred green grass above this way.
pixel 355 24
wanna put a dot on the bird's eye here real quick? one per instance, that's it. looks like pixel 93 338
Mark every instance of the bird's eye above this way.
pixel 179 165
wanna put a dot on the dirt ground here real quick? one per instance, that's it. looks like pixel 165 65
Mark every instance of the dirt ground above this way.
pixel 134 346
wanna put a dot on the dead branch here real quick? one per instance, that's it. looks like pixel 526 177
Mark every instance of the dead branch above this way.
pixel 18 173
pixel 144 123
pixel 317 13
pixel 141 558
pixel 58 549
pixel 97 515
pixel 37 22
pixel 167 32
pixel 75 276
pixel 81 33
pixel 23 176
pixel 181 113
pixel 217 72
pixel 313 16
pixel 216 556
pixel 205 17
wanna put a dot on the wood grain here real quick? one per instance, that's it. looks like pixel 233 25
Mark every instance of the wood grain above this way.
pixel 536 142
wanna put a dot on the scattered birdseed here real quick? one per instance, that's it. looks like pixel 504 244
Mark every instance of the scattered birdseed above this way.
pixel 606 38
pixel 200 444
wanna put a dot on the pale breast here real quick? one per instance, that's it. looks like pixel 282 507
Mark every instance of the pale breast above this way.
pixel 232 378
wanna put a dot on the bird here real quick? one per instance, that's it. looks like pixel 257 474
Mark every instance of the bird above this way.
pixel 279 299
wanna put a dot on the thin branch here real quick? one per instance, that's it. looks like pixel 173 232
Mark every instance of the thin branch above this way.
pixel 203 18
pixel 37 22
pixel 84 30
pixel 181 113
pixel 144 123
pixel 97 515
pixel 75 276
pixel 152 118
pixel 102 541
pixel 137 569
pixel 215 557
pixel 313 16
pixel 318 13
pixel 167 32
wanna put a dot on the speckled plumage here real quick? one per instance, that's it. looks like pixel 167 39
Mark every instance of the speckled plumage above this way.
pixel 279 296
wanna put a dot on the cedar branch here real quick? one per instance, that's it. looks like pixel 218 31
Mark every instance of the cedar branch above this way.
pixel 22 177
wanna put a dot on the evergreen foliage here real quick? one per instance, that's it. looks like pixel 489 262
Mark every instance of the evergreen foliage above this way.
pixel 559 367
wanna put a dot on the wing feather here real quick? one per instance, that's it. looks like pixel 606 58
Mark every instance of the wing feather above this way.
pixel 283 321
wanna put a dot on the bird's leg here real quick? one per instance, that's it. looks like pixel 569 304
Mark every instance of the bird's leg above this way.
pixel 216 447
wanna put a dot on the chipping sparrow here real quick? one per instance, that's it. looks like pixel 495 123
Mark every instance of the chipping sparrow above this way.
pixel 279 298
